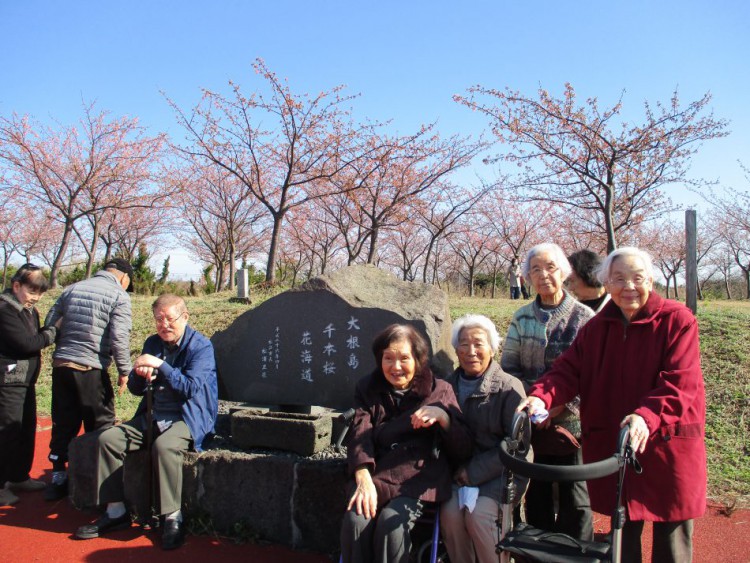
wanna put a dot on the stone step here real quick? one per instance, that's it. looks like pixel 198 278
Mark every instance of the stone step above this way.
pixel 303 434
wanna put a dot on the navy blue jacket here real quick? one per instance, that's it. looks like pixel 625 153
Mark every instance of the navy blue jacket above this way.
pixel 192 378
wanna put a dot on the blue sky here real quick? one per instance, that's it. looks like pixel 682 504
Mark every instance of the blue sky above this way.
pixel 405 58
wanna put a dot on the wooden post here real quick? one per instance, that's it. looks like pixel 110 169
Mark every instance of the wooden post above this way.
pixel 691 261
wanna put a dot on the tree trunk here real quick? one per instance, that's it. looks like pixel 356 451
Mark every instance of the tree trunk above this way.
pixel 471 281
pixel 609 220
pixel 674 282
pixel 373 253
pixel 278 219
pixel 62 249
pixel 427 259
pixel 92 250
pixel 232 270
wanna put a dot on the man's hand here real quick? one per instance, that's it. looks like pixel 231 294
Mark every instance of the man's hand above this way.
pixel 145 365
pixel 122 383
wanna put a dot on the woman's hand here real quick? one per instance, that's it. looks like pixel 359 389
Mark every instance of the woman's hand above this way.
pixel 638 432
pixel 365 497
pixel 425 417
pixel 461 477
pixel 535 405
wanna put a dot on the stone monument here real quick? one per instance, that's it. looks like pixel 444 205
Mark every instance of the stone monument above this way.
pixel 310 345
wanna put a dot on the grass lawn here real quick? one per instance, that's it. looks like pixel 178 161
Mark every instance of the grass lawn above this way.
pixel 724 332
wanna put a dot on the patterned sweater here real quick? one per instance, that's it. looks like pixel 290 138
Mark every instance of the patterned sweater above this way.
pixel 535 339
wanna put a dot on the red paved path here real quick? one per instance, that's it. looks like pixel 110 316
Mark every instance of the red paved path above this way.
pixel 35 530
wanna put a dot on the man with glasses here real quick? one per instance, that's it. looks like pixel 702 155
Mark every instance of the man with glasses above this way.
pixel 95 328
pixel 180 364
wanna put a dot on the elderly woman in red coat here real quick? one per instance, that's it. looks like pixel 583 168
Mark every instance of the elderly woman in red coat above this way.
pixel 637 363
pixel 408 436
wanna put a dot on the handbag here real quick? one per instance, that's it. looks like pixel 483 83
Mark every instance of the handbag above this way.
pixel 552 547
pixel 554 440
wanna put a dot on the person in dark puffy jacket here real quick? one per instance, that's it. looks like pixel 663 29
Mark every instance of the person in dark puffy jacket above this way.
pixel 21 342
pixel 96 324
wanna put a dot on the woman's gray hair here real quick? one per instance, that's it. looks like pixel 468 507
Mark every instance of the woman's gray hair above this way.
pixel 476 321
pixel 606 267
pixel 558 257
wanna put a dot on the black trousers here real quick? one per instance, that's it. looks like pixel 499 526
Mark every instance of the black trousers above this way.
pixel 574 508
pixel 17 432
pixel 78 397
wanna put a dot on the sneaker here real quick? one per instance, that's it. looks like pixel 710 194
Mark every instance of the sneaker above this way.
pixel 26 486
pixel 56 491
pixel 7 497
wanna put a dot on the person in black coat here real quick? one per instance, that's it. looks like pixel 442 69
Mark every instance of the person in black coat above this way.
pixel 21 343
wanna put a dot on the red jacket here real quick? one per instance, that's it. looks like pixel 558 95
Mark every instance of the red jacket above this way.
pixel 651 367
pixel 400 459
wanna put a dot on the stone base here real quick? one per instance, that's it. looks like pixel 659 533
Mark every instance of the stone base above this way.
pixel 286 499
pixel 304 434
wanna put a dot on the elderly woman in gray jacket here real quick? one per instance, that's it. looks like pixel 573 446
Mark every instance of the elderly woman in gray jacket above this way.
pixel 488 398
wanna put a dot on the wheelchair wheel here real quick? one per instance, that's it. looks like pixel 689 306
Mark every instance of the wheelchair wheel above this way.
pixel 425 550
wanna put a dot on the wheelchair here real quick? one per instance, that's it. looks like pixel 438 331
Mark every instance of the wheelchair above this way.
pixel 533 544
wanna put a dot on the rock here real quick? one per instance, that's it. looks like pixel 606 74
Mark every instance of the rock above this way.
pixel 310 345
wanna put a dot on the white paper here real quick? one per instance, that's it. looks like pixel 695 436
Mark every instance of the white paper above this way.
pixel 467 497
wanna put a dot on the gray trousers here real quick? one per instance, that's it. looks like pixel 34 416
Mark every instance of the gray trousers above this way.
pixel 383 539
pixel 166 456
pixel 470 536
pixel 673 542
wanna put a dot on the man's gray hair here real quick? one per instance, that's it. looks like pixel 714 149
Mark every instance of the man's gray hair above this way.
pixel 606 267
pixel 558 257
pixel 476 321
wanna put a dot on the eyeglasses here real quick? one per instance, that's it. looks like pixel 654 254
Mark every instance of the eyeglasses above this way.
pixel 536 271
pixel 165 319
pixel 638 281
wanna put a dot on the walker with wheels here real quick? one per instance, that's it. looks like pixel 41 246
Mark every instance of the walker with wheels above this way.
pixel 532 544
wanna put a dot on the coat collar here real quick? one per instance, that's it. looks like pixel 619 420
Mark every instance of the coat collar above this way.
pixel 546 315
pixel 9 298
pixel 491 379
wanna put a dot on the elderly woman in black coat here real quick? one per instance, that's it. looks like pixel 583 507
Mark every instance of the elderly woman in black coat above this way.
pixel 408 435
pixel 21 342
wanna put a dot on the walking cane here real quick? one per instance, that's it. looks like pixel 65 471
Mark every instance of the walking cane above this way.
pixel 151 521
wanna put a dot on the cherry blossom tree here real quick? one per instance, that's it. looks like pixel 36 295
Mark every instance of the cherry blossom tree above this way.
pixel 282 147
pixel 103 163
pixel 225 222
pixel 400 170
pixel 577 156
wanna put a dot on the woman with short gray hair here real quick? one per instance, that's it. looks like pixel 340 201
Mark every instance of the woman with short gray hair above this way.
pixel 488 398
pixel 539 332
pixel 637 364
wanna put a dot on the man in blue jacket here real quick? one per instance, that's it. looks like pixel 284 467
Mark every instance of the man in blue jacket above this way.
pixel 180 363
